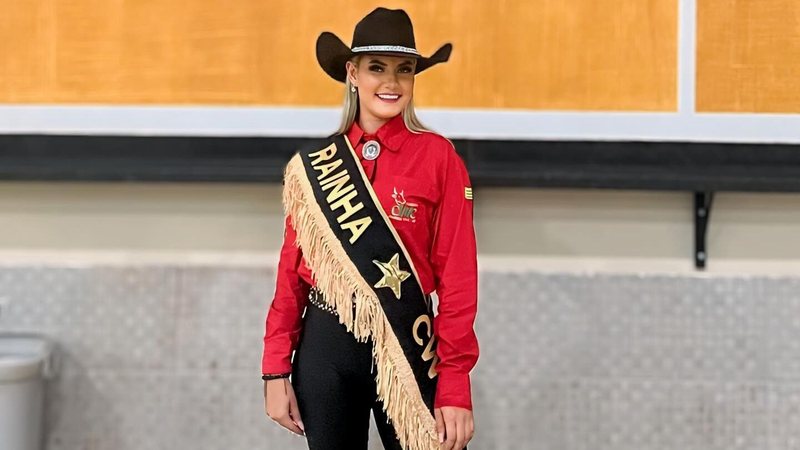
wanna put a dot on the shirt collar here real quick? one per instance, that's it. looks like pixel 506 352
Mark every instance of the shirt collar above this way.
pixel 391 135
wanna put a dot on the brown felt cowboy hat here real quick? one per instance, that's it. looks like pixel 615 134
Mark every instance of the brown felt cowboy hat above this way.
pixel 384 32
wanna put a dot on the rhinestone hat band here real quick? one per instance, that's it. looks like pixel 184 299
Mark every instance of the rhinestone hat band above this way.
pixel 385 48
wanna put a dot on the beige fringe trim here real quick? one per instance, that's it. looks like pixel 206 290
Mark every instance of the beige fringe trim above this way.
pixel 337 277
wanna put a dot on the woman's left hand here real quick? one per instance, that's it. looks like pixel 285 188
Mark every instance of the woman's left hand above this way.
pixel 455 427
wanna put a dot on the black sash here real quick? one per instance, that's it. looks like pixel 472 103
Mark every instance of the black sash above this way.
pixel 360 224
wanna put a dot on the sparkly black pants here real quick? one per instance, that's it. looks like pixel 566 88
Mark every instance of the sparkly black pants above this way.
pixel 334 380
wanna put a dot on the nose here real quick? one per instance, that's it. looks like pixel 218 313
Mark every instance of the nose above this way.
pixel 392 79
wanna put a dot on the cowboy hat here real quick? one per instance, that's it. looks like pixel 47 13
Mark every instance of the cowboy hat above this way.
pixel 383 31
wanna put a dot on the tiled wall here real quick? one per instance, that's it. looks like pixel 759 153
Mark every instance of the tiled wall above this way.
pixel 167 357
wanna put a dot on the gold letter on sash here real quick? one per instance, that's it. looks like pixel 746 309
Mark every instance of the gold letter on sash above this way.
pixel 326 169
pixel 349 208
pixel 339 188
pixel 357 227
pixel 427 354
pixel 323 155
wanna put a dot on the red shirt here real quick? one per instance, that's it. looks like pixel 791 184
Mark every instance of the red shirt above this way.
pixel 425 190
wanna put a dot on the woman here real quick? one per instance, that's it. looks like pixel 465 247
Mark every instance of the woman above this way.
pixel 378 217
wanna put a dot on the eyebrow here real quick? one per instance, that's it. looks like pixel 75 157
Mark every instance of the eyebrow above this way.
pixel 375 61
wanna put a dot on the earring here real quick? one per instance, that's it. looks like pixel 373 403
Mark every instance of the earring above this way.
pixel 352 88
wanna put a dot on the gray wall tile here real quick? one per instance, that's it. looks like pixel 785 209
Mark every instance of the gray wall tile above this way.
pixel 167 357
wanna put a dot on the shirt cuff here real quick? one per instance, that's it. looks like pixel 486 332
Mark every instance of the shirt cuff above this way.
pixel 453 389
pixel 273 364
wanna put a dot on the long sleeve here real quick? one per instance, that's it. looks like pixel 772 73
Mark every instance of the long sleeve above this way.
pixel 454 262
pixel 284 319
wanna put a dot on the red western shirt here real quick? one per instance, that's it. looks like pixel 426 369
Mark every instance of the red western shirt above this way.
pixel 424 187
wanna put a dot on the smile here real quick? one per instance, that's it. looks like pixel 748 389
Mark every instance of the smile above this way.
pixel 388 97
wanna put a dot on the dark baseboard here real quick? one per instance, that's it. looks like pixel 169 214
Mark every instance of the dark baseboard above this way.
pixel 551 164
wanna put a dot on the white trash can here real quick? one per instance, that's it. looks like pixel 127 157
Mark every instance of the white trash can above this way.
pixel 25 363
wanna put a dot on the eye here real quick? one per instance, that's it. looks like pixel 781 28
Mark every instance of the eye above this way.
pixel 376 68
pixel 405 69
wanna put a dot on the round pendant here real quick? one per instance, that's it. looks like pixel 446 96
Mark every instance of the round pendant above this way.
pixel 371 150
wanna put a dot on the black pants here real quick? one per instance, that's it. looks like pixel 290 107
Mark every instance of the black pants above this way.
pixel 334 380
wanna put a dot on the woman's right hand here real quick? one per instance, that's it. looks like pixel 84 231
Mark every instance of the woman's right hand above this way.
pixel 280 405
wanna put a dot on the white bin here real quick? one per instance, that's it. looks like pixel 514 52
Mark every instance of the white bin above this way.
pixel 24 365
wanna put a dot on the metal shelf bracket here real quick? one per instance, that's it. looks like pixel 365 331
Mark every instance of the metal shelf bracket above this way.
pixel 702 213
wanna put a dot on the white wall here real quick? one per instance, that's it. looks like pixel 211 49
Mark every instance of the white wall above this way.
pixel 566 228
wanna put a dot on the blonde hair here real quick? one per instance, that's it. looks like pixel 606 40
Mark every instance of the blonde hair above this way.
pixel 350 109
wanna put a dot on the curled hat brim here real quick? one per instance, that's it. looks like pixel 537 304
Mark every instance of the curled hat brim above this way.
pixel 332 54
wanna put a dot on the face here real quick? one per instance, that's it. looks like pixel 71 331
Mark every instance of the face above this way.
pixel 385 85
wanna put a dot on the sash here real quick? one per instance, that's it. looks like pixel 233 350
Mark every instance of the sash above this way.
pixel 359 263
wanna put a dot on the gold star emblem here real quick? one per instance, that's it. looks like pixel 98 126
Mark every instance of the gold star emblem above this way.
pixel 392 275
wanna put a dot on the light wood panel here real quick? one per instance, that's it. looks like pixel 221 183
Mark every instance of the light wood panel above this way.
pixel 537 54
pixel 748 56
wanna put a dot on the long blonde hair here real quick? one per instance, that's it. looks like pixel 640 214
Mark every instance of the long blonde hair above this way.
pixel 350 110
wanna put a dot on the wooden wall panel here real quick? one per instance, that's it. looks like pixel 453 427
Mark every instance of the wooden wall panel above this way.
pixel 748 56
pixel 535 54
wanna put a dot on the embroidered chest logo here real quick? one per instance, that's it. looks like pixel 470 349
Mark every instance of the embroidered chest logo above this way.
pixel 403 210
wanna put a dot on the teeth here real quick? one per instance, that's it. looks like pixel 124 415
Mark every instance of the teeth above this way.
pixel 389 96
